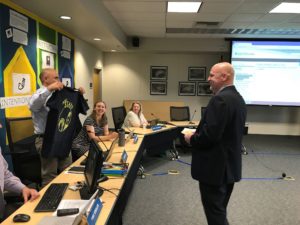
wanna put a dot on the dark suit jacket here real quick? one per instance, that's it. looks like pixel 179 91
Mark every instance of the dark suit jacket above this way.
pixel 216 154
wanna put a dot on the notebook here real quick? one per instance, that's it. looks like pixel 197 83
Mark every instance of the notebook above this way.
pixel 129 136
pixel 106 155
pixel 110 151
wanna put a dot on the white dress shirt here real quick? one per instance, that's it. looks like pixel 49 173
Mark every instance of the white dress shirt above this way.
pixel 133 120
pixel 39 110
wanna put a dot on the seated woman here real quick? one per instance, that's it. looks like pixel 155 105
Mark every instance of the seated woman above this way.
pixel 135 117
pixel 94 127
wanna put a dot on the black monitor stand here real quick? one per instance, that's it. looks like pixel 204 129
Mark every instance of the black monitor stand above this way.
pixel 85 194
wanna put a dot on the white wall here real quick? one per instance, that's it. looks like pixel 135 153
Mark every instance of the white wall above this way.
pixel 127 76
pixel 86 59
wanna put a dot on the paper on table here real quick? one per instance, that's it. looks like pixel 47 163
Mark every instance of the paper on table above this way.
pixel 83 205
pixel 188 131
pixel 67 204
pixel 54 220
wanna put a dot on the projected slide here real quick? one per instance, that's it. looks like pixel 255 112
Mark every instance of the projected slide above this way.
pixel 267 72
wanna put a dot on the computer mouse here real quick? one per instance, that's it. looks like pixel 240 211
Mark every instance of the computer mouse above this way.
pixel 21 218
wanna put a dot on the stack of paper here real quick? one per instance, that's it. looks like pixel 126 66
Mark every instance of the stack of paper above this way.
pixel 188 131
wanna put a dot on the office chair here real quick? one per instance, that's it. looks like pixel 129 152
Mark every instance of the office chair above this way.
pixel 245 132
pixel 180 113
pixel 203 109
pixel 118 114
pixel 21 143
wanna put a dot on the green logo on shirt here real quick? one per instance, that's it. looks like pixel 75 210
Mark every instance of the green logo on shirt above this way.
pixel 65 115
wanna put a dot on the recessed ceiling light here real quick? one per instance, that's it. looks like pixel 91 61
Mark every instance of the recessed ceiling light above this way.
pixel 97 39
pixel 184 7
pixel 287 7
pixel 113 50
pixel 65 17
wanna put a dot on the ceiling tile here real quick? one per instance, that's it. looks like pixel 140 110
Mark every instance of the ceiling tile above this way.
pixel 256 7
pixel 276 17
pixel 135 6
pixel 126 16
pixel 219 7
pixel 246 17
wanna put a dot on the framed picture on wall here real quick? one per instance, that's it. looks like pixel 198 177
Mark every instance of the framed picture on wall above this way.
pixel 158 72
pixel 203 88
pixel 187 88
pixel 47 60
pixel 158 87
pixel 197 73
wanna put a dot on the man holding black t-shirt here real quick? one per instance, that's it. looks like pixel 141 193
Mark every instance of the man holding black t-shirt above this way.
pixel 51 162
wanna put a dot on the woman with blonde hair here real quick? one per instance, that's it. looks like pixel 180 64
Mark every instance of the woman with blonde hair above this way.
pixel 135 117
pixel 94 127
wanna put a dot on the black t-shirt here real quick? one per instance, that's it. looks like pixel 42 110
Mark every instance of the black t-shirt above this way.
pixel 62 121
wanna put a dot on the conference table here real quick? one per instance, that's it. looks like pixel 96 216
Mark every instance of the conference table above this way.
pixel 180 125
pixel 185 124
pixel 113 204
pixel 157 141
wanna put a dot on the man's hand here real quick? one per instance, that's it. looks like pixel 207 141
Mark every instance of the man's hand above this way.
pixel 29 193
pixel 57 85
pixel 187 137
pixel 81 90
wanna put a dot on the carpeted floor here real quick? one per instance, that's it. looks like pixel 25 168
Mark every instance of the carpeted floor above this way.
pixel 261 198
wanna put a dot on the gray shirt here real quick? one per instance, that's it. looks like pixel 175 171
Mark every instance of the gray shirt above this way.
pixel 39 110
pixel 8 182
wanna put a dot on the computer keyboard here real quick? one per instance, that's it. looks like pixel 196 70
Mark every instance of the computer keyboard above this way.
pixel 52 197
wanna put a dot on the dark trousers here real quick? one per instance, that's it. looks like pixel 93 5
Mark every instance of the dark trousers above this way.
pixel 10 208
pixel 215 199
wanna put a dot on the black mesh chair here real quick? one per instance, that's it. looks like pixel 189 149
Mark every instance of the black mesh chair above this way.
pixel 180 113
pixel 21 143
pixel 118 114
pixel 245 132
pixel 203 109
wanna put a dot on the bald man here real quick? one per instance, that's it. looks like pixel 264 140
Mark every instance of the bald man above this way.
pixel 39 110
pixel 216 154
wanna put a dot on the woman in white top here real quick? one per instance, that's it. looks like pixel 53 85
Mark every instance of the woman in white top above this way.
pixel 135 117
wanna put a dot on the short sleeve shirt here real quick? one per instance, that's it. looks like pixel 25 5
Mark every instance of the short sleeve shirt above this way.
pixel 81 143
pixel 65 106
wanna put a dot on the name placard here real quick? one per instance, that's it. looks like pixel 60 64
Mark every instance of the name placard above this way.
pixel 95 211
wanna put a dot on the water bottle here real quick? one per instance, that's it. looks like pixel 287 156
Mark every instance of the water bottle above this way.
pixel 121 137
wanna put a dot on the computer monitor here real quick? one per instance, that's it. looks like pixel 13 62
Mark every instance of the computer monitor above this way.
pixel 154 122
pixel 93 166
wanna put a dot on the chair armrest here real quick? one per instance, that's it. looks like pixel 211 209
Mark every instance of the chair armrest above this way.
pixel 11 197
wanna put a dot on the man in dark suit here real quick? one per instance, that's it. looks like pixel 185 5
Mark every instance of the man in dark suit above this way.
pixel 216 155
